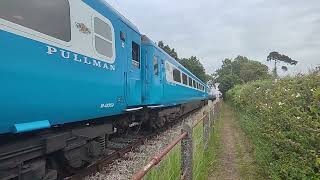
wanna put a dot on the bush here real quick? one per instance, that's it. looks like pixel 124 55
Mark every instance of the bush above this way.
pixel 283 120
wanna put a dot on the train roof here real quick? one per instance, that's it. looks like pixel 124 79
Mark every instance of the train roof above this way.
pixel 115 12
pixel 146 40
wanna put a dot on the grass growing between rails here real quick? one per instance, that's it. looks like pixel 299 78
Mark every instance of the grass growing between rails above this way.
pixel 282 120
pixel 169 167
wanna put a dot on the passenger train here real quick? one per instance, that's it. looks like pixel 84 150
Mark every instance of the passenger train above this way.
pixel 74 72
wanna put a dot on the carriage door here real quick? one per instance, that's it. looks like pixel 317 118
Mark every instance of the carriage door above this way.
pixel 157 83
pixel 134 85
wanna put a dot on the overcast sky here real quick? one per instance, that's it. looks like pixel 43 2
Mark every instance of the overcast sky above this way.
pixel 216 29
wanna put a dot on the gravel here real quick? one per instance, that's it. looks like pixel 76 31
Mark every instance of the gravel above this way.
pixel 130 163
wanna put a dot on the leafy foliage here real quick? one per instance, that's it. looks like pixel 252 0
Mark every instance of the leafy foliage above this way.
pixel 168 50
pixel 194 65
pixel 284 122
pixel 239 71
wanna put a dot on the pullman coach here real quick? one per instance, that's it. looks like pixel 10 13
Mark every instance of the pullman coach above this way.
pixel 74 72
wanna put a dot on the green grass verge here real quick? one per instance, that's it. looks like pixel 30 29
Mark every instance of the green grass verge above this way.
pixel 169 167
pixel 250 152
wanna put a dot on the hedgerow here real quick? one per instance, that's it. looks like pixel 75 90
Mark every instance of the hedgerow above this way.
pixel 283 120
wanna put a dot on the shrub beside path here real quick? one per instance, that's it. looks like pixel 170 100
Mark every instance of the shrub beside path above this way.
pixel 235 158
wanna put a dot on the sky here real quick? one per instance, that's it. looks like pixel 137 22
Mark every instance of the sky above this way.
pixel 214 30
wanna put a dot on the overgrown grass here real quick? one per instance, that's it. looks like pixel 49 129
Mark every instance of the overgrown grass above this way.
pixel 249 158
pixel 169 168
pixel 282 119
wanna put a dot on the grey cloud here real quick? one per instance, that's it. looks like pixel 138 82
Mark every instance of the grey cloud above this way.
pixel 214 30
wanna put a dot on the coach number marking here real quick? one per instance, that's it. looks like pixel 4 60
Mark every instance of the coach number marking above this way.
pixel 107 105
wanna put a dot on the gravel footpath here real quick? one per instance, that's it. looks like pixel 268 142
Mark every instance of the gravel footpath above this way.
pixel 130 163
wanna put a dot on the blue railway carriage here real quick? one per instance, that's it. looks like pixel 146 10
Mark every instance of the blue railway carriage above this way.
pixel 73 72
pixel 65 61
pixel 167 82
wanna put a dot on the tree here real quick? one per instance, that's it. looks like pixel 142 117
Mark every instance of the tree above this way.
pixel 239 71
pixel 168 50
pixel 194 65
pixel 277 57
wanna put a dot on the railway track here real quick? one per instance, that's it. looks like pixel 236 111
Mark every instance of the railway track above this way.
pixel 119 146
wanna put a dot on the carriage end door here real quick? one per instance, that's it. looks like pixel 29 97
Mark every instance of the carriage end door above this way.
pixel 134 82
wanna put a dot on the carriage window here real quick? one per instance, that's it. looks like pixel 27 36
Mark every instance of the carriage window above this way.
pixel 185 79
pixel 194 84
pixel 155 65
pixel 176 75
pixel 135 54
pixel 103 38
pixel 103 29
pixel 45 16
pixel 190 82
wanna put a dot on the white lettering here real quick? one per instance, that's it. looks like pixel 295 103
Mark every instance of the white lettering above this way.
pixel 65 54
pixel 51 50
pixel 76 58
pixel 86 60
pixel 96 63
pixel 107 105
pixel 105 66
pixel 112 67
pixel 79 58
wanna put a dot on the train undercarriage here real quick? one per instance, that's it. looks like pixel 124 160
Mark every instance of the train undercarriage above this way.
pixel 54 153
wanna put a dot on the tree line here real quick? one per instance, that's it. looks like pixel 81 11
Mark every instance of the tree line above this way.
pixel 243 70
pixel 235 71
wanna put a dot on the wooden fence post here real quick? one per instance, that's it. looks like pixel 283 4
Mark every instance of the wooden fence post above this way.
pixel 212 119
pixel 206 131
pixel 186 153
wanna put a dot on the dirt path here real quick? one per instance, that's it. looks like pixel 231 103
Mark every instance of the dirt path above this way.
pixel 234 160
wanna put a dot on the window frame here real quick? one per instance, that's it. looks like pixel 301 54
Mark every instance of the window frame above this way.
pixel 174 68
pixel 155 59
pixel 136 63
pixel 190 82
pixel 186 76
pixel 37 35
pixel 113 42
